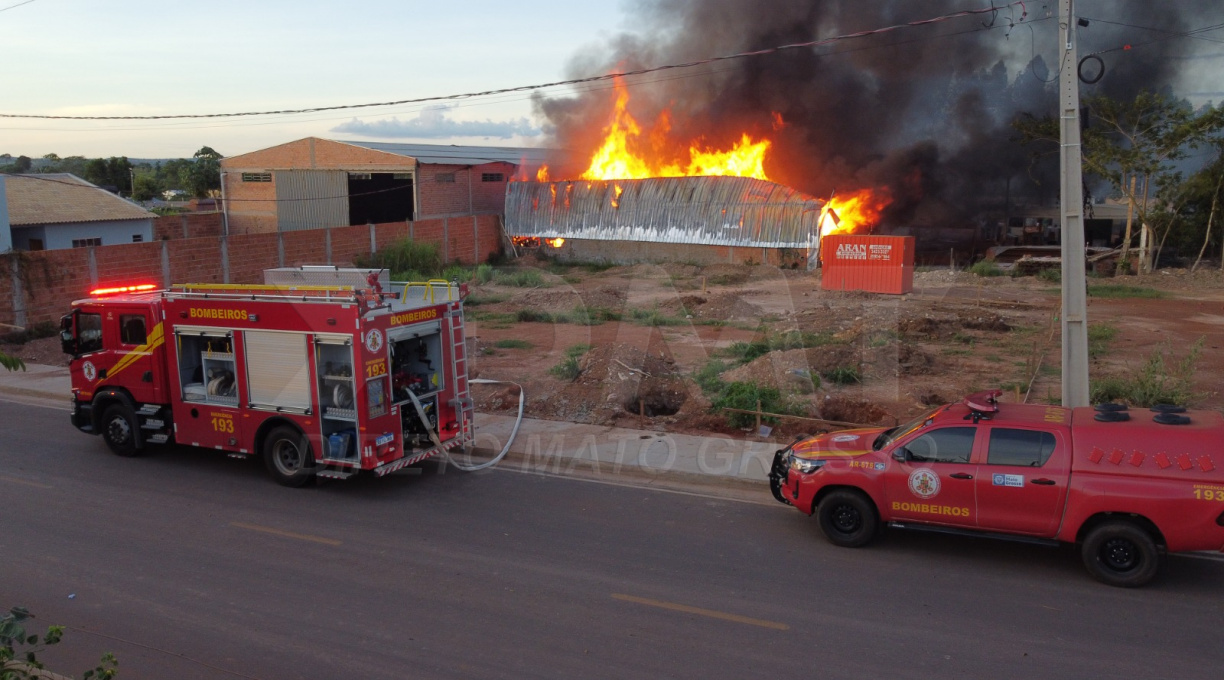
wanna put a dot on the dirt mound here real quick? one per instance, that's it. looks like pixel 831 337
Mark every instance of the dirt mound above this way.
pixel 621 377
pixel 926 328
pixel 608 297
pixel 793 370
pixel 726 274
pixel 717 306
pixel 852 410
pixel 983 321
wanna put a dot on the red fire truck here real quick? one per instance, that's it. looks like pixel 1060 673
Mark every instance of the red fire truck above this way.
pixel 1127 486
pixel 322 371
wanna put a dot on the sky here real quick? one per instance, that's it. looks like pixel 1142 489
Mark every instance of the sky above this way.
pixel 151 57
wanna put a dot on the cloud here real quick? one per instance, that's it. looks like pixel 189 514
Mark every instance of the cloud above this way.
pixel 433 123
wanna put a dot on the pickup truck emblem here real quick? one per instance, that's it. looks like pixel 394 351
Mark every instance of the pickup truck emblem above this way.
pixel 924 483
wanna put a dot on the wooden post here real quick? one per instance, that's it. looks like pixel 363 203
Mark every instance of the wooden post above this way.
pixel 758 415
pixel 641 413
pixel 703 284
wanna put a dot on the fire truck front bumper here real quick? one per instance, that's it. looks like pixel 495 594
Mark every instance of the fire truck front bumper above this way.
pixel 82 416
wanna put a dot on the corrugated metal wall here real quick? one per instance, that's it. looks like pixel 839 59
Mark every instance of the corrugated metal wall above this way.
pixel 728 211
pixel 311 199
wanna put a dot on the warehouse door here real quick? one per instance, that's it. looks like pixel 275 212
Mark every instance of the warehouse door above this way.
pixel 311 199
pixel 377 197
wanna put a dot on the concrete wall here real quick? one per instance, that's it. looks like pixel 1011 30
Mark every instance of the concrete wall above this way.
pixel 39 286
pixel 60 236
pixel 632 252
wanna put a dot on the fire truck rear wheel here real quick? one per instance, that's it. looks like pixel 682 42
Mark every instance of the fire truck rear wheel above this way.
pixel 288 456
pixel 118 426
pixel 847 518
pixel 1121 554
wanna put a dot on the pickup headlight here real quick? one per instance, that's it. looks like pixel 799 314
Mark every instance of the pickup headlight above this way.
pixel 804 465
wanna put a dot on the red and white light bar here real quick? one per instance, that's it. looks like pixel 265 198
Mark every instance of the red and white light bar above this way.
pixel 138 288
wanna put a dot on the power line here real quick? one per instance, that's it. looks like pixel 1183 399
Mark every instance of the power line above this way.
pixel 574 81
pixel 5 9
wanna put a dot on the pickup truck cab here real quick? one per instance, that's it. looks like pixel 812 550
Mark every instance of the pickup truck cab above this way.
pixel 1127 486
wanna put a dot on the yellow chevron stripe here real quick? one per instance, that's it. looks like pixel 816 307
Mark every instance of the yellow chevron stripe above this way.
pixel 155 340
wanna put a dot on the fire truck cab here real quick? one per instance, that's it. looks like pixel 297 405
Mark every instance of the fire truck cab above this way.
pixel 321 371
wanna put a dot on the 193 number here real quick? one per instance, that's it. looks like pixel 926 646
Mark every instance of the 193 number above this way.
pixel 225 425
pixel 1209 494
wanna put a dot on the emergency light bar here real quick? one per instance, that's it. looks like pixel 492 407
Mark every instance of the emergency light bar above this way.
pixel 123 289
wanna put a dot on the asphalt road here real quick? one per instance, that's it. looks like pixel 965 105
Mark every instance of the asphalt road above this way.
pixel 187 564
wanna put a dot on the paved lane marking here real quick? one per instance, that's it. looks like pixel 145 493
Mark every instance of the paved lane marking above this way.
pixel 18 480
pixel 701 612
pixel 286 534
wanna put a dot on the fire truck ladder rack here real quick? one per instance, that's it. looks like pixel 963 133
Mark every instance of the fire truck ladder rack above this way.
pixel 267 293
pixel 458 338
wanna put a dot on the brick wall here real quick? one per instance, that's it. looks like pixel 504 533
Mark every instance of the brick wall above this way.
pixel 188 225
pixel 52 279
pixel 450 198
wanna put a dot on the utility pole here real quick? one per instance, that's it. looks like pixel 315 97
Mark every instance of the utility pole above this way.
pixel 1074 285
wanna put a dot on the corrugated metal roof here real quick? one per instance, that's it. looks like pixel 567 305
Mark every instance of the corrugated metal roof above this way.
pixel 730 211
pixel 462 155
pixel 60 198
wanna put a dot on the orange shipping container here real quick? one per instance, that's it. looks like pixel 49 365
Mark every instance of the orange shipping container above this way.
pixel 876 264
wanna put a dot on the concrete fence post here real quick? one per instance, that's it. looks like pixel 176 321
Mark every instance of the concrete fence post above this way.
pixel 411 230
pixel 165 261
pixel 475 240
pixel 93 267
pixel 19 309
pixel 280 248
pixel 445 239
pixel 373 238
pixel 183 222
pixel 225 275
pixel 327 244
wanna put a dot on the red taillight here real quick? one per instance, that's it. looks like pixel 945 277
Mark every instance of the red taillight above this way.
pixel 141 287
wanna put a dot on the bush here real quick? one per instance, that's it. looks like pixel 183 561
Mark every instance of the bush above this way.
pixel 709 377
pixel 843 375
pixel 744 352
pixel 1050 275
pixel 513 343
pixel 744 396
pixel 569 369
pixel 654 317
pixel 986 268
pixel 407 260
pixel 520 278
pixel 483 273
pixel 1155 383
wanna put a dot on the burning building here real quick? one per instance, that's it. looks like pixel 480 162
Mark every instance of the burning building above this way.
pixel 896 132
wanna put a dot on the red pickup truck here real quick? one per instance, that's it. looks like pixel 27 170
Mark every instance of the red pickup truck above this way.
pixel 1127 486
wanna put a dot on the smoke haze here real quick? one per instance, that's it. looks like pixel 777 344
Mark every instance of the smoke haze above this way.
pixel 922 111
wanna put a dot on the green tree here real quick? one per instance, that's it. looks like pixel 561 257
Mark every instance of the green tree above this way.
pixel 1134 145
pixel 115 171
pixel 204 174
pixel 147 187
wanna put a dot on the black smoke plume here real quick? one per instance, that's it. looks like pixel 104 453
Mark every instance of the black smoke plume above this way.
pixel 924 112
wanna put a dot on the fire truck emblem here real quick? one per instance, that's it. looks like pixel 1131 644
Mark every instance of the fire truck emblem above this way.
pixel 91 372
pixel 374 340
pixel 924 483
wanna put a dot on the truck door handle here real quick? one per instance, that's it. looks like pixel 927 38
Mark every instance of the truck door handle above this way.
pixel 1044 482
pixel 961 475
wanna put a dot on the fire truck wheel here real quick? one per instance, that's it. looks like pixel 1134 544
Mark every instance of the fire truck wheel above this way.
pixel 1121 554
pixel 847 518
pixel 288 456
pixel 119 430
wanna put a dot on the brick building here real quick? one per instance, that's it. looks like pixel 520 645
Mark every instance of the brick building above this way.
pixel 314 183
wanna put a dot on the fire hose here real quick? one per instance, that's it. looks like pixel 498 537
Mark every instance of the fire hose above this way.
pixel 420 411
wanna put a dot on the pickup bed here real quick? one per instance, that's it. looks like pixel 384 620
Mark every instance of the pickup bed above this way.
pixel 1127 486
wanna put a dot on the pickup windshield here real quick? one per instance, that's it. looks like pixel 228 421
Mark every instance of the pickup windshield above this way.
pixel 893 434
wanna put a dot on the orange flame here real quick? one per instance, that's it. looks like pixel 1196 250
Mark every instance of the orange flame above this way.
pixel 620 155
pixel 555 242
pixel 616 188
pixel 854 213
pixel 542 174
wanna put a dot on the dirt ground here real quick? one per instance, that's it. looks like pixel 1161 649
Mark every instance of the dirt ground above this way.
pixel 955 334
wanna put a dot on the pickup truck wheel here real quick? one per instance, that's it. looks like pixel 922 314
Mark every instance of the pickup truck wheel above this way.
pixel 118 427
pixel 288 456
pixel 1121 554
pixel 847 519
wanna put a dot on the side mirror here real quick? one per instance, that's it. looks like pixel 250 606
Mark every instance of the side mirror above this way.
pixel 902 454
pixel 68 341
